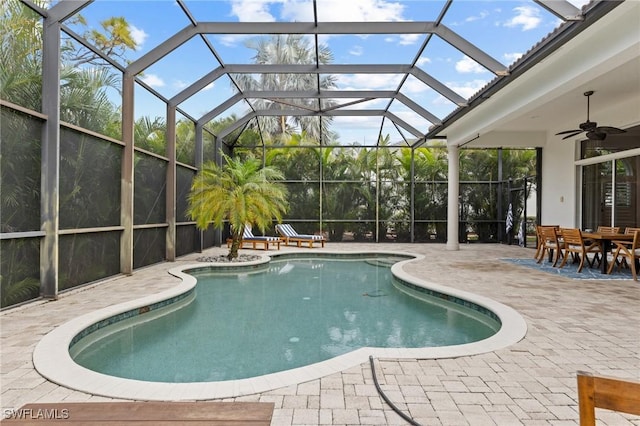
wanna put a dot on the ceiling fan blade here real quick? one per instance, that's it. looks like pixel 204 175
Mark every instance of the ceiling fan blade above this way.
pixel 591 127
pixel 596 135
pixel 575 132
pixel 609 130
pixel 569 131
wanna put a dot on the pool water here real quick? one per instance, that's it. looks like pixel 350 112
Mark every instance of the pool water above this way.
pixel 289 314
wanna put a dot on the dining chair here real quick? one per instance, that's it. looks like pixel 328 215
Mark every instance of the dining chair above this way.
pixel 574 244
pixel 629 230
pixel 609 229
pixel 548 243
pixel 539 242
pixel 627 253
pixel 595 247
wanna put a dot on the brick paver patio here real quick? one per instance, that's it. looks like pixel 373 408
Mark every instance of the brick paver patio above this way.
pixel 572 325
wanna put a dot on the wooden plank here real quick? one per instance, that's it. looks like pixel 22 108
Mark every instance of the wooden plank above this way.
pixel 586 400
pixel 616 394
pixel 608 393
pixel 145 413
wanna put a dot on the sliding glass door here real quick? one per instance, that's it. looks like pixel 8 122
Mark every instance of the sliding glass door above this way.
pixel 601 204
pixel 596 195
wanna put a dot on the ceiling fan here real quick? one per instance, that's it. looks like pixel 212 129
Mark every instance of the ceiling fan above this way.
pixel 594 132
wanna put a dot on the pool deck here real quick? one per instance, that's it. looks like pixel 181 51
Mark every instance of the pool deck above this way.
pixel 573 325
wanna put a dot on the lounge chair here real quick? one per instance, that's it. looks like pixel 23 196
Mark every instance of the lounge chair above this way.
pixel 255 240
pixel 289 235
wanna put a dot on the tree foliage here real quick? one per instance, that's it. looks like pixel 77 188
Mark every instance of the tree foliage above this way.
pixel 241 192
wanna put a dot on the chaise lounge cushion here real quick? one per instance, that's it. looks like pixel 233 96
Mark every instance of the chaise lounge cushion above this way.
pixel 290 235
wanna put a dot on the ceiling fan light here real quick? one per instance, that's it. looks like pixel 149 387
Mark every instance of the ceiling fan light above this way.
pixel 596 136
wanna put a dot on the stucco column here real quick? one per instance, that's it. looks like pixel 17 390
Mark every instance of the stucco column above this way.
pixel 453 191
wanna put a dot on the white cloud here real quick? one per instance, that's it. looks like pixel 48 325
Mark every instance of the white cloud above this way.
pixel 251 11
pixel 356 51
pixel 208 86
pixel 526 17
pixel 412 118
pixel 483 14
pixel 423 60
pixel 297 10
pixel 232 40
pixel 468 88
pixel 579 3
pixel 368 81
pixel 355 121
pixel 180 84
pixel 361 10
pixel 370 104
pixel 409 39
pixel 467 65
pixel 138 35
pixel 153 80
pixel 413 85
pixel 348 11
pixel 512 57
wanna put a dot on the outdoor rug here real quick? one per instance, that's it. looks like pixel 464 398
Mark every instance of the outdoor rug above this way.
pixel 570 270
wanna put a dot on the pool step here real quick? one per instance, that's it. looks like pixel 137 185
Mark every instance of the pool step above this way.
pixel 385 261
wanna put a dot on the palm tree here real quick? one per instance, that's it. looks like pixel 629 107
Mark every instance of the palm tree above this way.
pixel 240 192
pixel 289 49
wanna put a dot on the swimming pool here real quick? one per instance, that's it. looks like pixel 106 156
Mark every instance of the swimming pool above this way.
pixel 53 360
pixel 291 313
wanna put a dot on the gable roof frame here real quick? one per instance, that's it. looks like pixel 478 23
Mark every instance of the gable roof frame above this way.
pixel 316 28
pixel 574 21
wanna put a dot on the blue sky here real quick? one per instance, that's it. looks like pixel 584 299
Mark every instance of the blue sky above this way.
pixel 503 29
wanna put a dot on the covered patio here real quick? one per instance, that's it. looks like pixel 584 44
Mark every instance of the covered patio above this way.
pixel 572 324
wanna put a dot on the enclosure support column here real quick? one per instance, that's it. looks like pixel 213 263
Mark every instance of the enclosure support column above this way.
pixel 199 161
pixel 171 184
pixel 499 205
pixel 217 233
pixel 454 191
pixel 321 198
pixel 538 187
pixel 126 177
pixel 50 161
pixel 377 189
pixel 413 196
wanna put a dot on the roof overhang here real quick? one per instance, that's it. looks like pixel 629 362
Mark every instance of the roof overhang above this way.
pixel 548 97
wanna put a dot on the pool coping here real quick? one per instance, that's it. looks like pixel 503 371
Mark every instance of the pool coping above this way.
pixel 52 360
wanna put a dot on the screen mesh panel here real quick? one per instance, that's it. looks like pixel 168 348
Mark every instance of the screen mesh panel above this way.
pixel 185 239
pixel 89 181
pixel 184 177
pixel 88 257
pixel 20 270
pixel 149 246
pixel 20 153
pixel 208 238
pixel 150 190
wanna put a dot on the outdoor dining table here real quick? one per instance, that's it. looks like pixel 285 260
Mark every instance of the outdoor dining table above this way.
pixel 605 239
